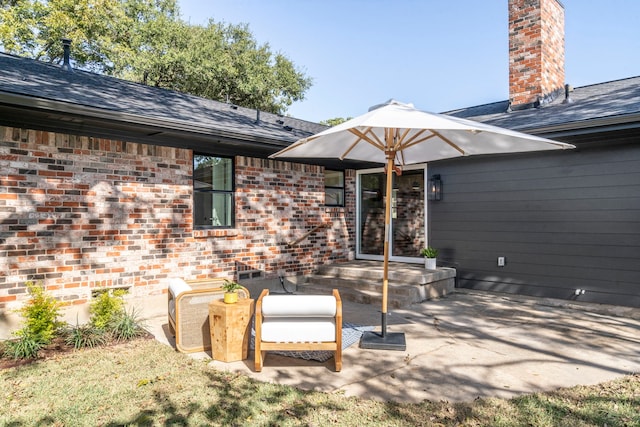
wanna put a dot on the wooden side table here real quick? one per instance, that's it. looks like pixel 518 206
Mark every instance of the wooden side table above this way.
pixel 230 326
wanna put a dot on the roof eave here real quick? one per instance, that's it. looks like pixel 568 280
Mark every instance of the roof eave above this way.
pixel 169 124
pixel 585 127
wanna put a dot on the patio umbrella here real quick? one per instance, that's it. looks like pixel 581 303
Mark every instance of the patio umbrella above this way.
pixel 397 134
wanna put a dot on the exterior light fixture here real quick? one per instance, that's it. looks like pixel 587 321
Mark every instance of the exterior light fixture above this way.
pixel 435 188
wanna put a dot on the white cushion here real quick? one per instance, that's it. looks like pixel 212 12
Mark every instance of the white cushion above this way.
pixel 298 306
pixel 178 286
pixel 292 329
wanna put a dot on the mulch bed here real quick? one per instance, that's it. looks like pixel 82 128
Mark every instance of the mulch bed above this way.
pixel 55 349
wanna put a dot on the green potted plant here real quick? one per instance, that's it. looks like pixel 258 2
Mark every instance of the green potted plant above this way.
pixel 231 291
pixel 429 255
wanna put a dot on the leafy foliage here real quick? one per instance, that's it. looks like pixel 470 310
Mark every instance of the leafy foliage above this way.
pixel 218 61
pixel 109 316
pixel 100 29
pixel 147 42
pixel 109 322
pixel 335 121
pixel 86 335
pixel 107 308
pixel 127 326
pixel 429 252
pixel 40 313
pixel 26 346
pixel 41 324
pixel 231 286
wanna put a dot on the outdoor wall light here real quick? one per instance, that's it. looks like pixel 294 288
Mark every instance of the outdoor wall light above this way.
pixel 435 188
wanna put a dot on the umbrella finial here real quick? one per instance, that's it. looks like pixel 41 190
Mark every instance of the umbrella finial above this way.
pixel 390 102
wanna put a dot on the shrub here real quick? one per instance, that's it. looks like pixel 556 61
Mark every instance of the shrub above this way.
pixel 127 326
pixel 41 315
pixel 109 316
pixel 87 335
pixel 26 346
pixel 107 307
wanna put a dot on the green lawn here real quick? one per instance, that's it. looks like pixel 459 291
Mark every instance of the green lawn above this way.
pixel 146 383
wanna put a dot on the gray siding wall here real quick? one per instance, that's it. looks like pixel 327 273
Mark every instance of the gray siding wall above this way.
pixel 564 221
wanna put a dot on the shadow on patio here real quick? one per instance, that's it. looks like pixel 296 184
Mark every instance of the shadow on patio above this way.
pixel 464 346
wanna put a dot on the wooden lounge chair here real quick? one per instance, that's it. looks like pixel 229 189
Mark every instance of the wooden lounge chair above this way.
pixel 188 311
pixel 298 323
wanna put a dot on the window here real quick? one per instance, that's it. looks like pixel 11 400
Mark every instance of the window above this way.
pixel 213 201
pixel 333 188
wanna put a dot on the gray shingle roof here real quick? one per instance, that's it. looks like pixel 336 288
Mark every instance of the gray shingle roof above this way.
pixel 27 77
pixel 101 96
pixel 619 99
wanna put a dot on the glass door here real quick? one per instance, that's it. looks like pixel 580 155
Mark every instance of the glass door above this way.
pixel 408 215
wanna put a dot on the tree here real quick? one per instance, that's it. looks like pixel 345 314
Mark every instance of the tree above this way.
pixel 147 42
pixel 216 61
pixel 335 121
pixel 33 28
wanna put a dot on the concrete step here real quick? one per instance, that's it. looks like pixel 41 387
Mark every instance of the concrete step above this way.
pixel 371 285
pixel 398 272
pixel 359 295
pixel 361 282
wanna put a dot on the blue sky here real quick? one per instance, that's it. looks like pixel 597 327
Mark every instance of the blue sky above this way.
pixel 438 55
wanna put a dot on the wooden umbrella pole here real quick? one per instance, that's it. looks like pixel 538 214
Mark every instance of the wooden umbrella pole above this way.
pixel 387 232
pixel 394 340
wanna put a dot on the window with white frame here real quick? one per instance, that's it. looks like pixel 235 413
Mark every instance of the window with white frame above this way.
pixel 213 186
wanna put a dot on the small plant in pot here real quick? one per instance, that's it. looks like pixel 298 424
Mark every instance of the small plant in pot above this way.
pixel 429 255
pixel 231 291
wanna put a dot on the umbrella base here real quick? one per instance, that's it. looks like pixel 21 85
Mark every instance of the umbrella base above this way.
pixel 389 341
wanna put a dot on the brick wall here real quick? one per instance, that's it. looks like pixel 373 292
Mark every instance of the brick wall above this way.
pixel 80 213
pixel 536 50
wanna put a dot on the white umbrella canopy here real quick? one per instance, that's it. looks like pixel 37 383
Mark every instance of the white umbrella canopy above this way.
pixel 394 133
pixel 418 137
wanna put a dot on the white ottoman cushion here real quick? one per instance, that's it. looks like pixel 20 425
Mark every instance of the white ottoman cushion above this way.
pixel 298 306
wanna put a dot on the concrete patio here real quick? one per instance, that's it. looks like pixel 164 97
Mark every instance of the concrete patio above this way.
pixel 460 347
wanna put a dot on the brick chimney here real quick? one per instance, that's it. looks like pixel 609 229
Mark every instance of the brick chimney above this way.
pixel 536 52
